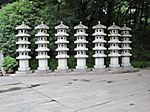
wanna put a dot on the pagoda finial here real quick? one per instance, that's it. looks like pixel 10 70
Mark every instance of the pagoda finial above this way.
pixel 99 22
pixel 23 22
pixel 61 22
pixel 42 22
pixel 124 25
pixel 80 22
pixel 113 23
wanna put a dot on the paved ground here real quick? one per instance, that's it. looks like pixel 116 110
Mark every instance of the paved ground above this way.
pixel 128 92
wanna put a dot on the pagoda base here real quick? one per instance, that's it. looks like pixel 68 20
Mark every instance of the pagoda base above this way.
pixel 82 70
pixel 42 71
pixel 115 70
pixel 125 62
pixel 99 66
pixel 99 70
pixel 114 62
pixel 62 70
pixel 128 69
pixel 23 72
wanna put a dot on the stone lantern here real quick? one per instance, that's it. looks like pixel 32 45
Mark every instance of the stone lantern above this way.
pixel 62 46
pixel 99 45
pixel 81 46
pixel 125 46
pixel 114 46
pixel 23 49
pixel 42 47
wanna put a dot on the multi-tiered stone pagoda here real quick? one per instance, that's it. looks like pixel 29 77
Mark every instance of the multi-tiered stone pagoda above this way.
pixel 126 46
pixel 114 46
pixel 81 46
pixel 23 49
pixel 62 46
pixel 99 45
pixel 42 47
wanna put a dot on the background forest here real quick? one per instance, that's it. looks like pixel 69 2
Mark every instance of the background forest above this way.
pixel 135 13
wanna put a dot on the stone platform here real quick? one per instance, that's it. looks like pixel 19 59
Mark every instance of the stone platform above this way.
pixel 122 92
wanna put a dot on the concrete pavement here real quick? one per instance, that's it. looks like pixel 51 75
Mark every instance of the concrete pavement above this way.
pixel 127 92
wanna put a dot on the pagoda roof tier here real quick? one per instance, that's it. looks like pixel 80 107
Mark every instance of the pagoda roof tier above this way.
pixel 99 55
pixel 114 48
pixel 99 26
pixel 62 49
pixel 99 48
pixel 80 26
pixel 42 49
pixel 126 54
pixel 61 34
pixel 125 28
pixel 62 56
pixel 114 55
pixel 81 49
pixel 99 34
pixel 61 26
pixel 114 35
pixel 23 57
pixel 42 42
pixel 78 34
pixel 81 41
pixel 42 57
pixel 22 42
pixel 23 27
pixel 99 41
pixel 23 50
pixel 126 42
pixel 126 48
pixel 81 56
pixel 22 35
pixel 42 26
pixel 40 34
pixel 126 35
pixel 114 41
pixel 114 27
pixel 61 42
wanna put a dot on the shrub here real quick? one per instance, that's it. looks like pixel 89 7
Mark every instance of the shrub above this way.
pixel 9 64
pixel 141 64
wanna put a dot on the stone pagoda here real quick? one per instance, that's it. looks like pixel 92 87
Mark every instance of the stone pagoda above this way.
pixel 99 45
pixel 42 47
pixel 125 62
pixel 62 46
pixel 114 46
pixel 23 49
pixel 81 46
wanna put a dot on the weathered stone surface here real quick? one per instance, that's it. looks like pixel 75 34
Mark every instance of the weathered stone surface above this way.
pixel 128 92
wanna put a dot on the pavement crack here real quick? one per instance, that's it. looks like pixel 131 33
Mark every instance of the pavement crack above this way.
pixel 94 105
pixel 11 84
pixel 10 89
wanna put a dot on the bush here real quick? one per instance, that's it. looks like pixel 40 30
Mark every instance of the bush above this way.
pixel 141 64
pixel 9 64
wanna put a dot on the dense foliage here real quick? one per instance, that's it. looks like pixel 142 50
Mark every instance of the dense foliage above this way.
pixel 132 12
pixel 9 64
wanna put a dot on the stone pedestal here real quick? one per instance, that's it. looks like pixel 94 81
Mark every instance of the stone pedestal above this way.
pixel 81 63
pixel 99 63
pixel 114 62
pixel 62 64
pixel 125 62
